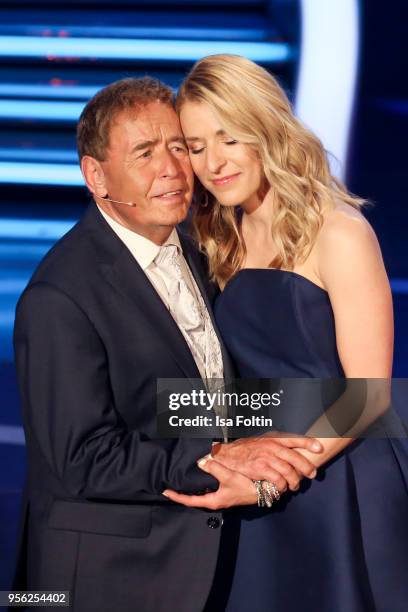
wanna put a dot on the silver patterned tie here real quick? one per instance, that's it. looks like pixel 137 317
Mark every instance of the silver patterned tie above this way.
pixel 190 313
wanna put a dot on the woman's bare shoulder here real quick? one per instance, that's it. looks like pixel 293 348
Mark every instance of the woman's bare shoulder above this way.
pixel 344 226
pixel 346 246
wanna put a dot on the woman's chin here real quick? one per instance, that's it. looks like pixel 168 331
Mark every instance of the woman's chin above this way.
pixel 228 202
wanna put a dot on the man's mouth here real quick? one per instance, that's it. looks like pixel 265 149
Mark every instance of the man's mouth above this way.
pixel 170 194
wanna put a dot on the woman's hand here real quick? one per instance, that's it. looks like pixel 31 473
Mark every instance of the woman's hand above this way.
pixel 234 490
pixel 269 457
pixel 273 456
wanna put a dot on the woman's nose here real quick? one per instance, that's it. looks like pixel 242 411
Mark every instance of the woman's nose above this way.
pixel 215 160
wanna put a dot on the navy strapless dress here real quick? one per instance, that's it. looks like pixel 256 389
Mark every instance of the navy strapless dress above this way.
pixel 340 543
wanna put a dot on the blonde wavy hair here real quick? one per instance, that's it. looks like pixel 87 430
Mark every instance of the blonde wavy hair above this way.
pixel 255 110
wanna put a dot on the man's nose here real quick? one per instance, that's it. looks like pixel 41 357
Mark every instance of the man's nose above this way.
pixel 169 165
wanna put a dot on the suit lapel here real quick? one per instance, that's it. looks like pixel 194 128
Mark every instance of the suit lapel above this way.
pixel 122 271
pixel 128 278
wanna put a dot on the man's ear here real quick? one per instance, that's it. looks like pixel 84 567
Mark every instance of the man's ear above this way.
pixel 94 176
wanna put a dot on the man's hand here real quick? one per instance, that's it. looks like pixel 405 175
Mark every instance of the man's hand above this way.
pixel 234 490
pixel 272 457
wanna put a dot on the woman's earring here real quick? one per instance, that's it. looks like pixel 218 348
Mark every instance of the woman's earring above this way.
pixel 204 201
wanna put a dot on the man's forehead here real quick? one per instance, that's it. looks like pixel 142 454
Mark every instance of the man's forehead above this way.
pixel 140 126
pixel 151 116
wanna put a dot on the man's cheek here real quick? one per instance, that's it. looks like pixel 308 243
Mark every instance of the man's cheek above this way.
pixel 188 171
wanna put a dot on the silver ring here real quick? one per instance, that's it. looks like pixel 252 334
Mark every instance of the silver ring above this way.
pixel 275 491
pixel 268 494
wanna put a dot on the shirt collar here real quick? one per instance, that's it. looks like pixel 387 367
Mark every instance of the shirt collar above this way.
pixel 142 249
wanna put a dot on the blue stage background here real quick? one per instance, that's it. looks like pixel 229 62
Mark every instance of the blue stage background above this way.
pixel 54 56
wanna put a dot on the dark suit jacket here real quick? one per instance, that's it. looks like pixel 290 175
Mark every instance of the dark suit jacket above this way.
pixel 91 338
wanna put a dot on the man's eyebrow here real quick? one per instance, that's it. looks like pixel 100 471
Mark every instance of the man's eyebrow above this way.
pixel 177 139
pixel 146 144
pixel 143 145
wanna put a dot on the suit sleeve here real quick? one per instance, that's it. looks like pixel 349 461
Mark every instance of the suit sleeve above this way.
pixel 68 408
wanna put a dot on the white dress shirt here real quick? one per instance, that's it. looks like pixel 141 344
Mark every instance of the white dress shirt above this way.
pixel 145 251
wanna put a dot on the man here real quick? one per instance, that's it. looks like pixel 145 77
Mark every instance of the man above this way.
pixel 102 319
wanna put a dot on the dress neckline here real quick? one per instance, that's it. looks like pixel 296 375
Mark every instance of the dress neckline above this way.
pixel 276 270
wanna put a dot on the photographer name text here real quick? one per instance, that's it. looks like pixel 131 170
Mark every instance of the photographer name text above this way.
pixel 218 421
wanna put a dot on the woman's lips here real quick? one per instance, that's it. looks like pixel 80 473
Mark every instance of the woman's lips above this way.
pixel 225 179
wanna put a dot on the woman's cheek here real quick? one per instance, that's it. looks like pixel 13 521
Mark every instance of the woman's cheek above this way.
pixel 197 165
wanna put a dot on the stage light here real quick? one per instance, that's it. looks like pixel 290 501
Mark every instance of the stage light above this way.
pixel 164 50
pixel 55 156
pixel 393 105
pixel 40 174
pixel 11 434
pixel 143 32
pixel 63 90
pixel 34 229
pixel 10 286
pixel 327 73
pixel 399 285
pixel 40 109
pixel 23 250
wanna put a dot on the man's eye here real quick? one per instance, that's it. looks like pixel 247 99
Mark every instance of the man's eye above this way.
pixel 179 149
pixel 196 151
pixel 231 142
pixel 146 154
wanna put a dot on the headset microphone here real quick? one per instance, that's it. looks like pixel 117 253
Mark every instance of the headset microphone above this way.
pixel 117 201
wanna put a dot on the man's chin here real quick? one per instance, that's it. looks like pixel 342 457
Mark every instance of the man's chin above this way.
pixel 175 216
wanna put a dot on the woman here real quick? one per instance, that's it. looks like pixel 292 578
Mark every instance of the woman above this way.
pixel 304 294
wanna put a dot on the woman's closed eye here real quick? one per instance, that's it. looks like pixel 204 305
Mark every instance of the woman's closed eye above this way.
pixel 201 149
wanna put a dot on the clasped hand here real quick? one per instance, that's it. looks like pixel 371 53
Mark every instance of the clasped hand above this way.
pixel 272 457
